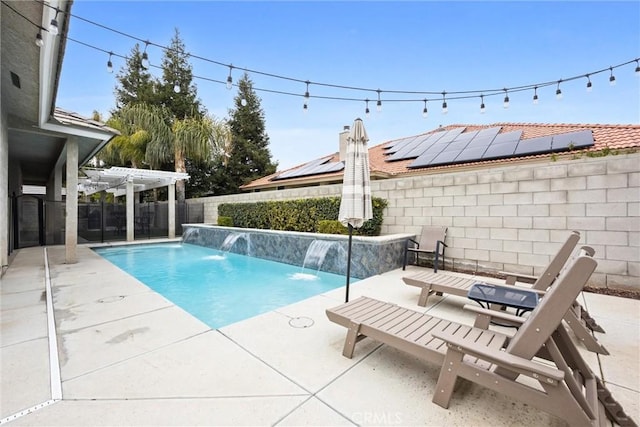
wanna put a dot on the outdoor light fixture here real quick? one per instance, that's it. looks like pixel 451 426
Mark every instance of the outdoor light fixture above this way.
pixel 306 93
pixel 425 113
pixel 589 85
pixel 535 95
pixel 53 25
pixel 506 99
pixel 229 78
pixel 305 108
pixel 176 87
pixel 482 108
pixel 39 41
pixel 366 109
pixel 637 67
pixel 379 103
pixel 612 78
pixel 110 64
pixel 145 57
pixel 445 109
pixel 558 91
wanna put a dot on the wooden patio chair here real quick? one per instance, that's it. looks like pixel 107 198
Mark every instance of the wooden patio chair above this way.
pixel 431 241
pixel 431 338
pixel 577 317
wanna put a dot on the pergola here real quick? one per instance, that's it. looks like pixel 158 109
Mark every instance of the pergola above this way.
pixel 128 181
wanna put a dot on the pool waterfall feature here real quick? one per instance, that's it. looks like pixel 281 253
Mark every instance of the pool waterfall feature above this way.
pixel 324 252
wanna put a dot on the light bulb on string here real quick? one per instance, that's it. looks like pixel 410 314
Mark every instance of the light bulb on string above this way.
pixel 535 95
pixel 482 107
pixel 445 108
pixel 305 108
pixel 110 64
pixel 505 104
pixel 145 57
pixel 558 91
pixel 176 87
pixel 53 25
pixel 39 42
pixel 589 84
pixel 367 112
pixel 229 78
pixel 612 78
pixel 379 103
pixel 306 93
pixel 425 112
pixel 638 67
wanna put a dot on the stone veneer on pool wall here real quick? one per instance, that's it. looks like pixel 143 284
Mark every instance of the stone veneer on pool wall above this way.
pixel 369 256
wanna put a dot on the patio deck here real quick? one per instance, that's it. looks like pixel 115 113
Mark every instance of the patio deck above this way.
pixel 129 357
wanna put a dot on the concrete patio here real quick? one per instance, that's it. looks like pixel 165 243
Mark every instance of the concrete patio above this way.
pixel 128 356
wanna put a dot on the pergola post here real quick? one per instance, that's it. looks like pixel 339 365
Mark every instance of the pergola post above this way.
pixel 71 219
pixel 172 209
pixel 130 210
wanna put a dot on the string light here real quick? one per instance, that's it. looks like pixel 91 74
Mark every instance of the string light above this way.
pixel 304 107
pixel 482 109
pixel 457 95
pixel 39 41
pixel 505 104
pixel 145 57
pixel 425 112
pixel 612 78
pixel 558 91
pixel 366 109
pixel 535 95
pixel 589 84
pixel 445 109
pixel 53 25
pixel 306 94
pixel 110 64
pixel 379 103
pixel 229 78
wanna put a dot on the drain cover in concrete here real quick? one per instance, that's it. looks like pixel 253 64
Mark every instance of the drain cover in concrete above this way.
pixel 301 322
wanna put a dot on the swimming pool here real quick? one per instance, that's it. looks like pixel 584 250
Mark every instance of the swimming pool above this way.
pixel 217 287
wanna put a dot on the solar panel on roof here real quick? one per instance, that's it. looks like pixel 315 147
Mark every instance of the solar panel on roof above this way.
pixel 507 137
pixel 533 146
pixel 471 154
pixel 572 140
pixel 418 149
pixel 403 152
pixel 316 167
pixel 444 158
pixel 399 145
pixel 501 150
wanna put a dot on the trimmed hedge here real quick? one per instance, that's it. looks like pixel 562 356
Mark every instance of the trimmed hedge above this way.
pixel 297 215
pixel 225 221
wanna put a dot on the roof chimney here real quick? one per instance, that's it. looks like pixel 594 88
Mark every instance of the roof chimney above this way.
pixel 343 142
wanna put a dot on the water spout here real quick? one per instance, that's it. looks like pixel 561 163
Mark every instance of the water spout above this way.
pixel 190 235
pixel 317 254
pixel 231 240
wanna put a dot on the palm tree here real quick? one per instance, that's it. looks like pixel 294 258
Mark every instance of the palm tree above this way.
pixel 169 139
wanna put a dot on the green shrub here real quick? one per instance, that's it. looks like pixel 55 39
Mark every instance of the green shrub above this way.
pixel 297 215
pixel 225 221
pixel 332 226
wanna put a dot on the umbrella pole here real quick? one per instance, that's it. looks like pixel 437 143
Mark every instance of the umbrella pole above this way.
pixel 349 263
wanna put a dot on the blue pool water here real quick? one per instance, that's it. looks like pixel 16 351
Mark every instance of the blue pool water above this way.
pixel 219 288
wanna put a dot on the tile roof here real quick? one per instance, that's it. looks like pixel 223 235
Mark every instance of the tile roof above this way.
pixel 614 137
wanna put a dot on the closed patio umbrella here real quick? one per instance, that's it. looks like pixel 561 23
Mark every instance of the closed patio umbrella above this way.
pixel 355 205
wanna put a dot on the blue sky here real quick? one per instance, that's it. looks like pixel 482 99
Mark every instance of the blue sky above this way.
pixel 408 46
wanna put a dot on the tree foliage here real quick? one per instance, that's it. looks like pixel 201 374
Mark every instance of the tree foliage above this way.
pixel 248 156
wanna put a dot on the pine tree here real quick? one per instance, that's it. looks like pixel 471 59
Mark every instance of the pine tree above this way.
pixel 135 84
pixel 249 157
pixel 176 91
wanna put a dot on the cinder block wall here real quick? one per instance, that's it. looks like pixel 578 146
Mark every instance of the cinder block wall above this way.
pixel 512 217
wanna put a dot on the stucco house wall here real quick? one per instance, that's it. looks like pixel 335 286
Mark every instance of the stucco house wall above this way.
pixel 511 217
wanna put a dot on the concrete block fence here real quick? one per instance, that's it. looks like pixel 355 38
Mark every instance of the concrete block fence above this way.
pixel 511 217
